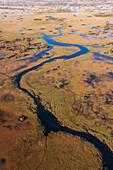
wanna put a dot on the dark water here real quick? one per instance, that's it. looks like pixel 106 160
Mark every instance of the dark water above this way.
pixel 48 120
pixel 86 36
pixel 3 54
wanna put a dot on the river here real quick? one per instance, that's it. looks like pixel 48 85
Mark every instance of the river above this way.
pixel 48 120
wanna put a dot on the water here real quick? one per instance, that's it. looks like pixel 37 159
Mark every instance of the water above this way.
pixel 48 120
pixel 3 54
pixel 108 31
pixel 25 10
pixel 13 11
pixel 89 25
pixel 84 16
pixel 110 35
pixel 20 31
pixel 86 36
pixel 109 20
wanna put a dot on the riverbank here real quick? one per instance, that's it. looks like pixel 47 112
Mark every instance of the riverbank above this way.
pixel 79 75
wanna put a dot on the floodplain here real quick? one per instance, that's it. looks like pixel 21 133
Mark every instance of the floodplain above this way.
pixel 56 89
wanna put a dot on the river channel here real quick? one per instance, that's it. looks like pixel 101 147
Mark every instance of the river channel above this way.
pixel 48 120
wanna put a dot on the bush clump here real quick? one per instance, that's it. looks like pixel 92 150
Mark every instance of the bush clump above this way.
pixel 22 118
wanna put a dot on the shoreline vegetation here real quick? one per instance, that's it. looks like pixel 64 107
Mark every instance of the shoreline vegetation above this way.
pixel 56 79
pixel 51 124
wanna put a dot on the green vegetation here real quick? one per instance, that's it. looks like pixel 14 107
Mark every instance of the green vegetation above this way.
pixel 78 91
pixel 21 47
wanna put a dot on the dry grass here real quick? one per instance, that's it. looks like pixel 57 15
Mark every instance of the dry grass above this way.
pixel 78 92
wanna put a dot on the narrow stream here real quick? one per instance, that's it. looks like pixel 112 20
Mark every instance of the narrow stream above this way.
pixel 48 120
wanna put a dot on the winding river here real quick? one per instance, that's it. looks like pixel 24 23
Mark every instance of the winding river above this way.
pixel 48 120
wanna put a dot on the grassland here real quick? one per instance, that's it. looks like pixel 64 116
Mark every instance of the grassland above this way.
pixel 77 91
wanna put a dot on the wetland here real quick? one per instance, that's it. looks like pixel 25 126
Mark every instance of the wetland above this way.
pixel 56 90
